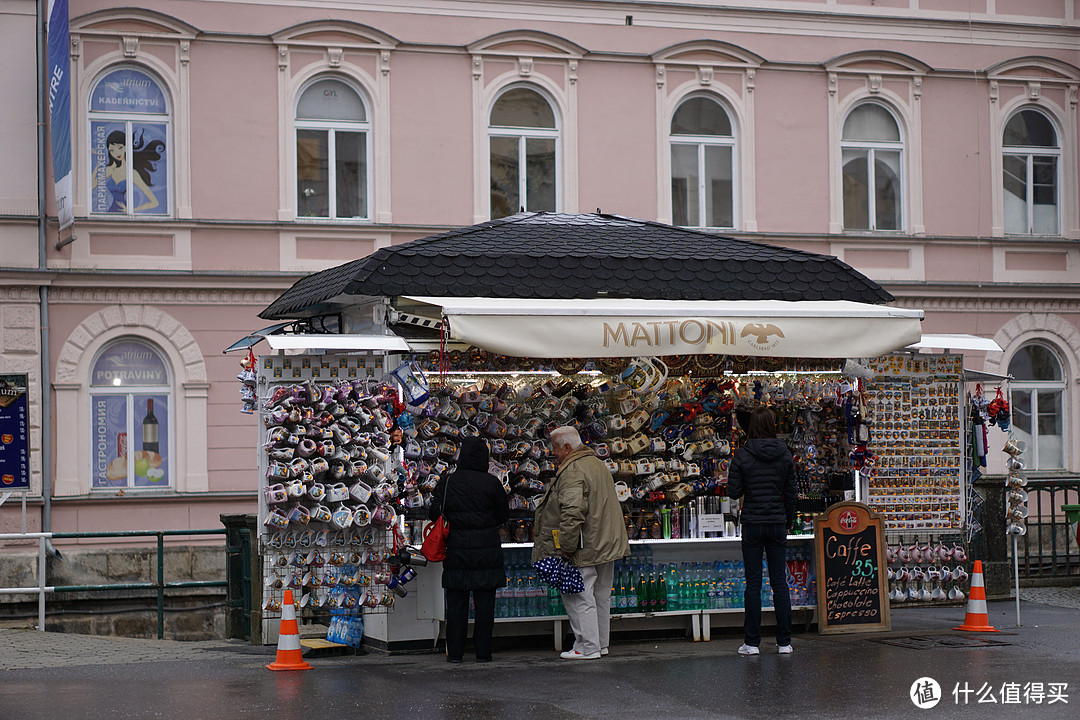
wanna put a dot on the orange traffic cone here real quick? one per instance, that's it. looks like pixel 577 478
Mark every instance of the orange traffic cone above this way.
pixel 289 654
pixel 977 620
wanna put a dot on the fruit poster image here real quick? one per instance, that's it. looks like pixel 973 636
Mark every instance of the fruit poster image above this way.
pixel 129 440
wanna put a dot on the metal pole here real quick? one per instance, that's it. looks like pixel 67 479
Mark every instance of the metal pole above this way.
pixel 41 583
pixel 1016 580
pixel 160 585
pixel 24 512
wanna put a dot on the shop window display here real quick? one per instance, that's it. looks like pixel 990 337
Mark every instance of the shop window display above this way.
pixel 129 145
pixel 130 417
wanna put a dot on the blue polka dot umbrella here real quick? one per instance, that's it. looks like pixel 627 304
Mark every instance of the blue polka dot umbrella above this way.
pixel 559 572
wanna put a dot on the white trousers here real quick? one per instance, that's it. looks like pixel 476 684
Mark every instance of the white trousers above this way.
pixel 590 611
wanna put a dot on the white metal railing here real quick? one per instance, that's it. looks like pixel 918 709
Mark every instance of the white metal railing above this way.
pixel 41 587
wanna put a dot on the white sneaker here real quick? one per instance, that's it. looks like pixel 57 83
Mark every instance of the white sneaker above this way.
pixel 603 651
pixel 785 649
pixel 745 649
pixel 575 655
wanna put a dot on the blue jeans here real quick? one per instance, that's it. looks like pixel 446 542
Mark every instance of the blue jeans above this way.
pixel 770 541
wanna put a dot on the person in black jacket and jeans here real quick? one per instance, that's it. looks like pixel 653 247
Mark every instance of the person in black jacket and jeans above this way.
pixel 763 473
pixel 475 506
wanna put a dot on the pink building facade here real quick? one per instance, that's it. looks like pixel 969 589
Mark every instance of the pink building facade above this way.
pixel 222 149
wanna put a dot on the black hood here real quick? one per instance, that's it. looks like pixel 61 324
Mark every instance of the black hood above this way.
pixel 474 454
pixel 765 448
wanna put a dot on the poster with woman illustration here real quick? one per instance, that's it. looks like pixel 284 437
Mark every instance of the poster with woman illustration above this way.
pixel 128 145
pixel 130 169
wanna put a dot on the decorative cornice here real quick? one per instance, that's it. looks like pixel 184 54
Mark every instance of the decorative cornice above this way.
pixel 989 305
pixel 159 296
pixel 18 293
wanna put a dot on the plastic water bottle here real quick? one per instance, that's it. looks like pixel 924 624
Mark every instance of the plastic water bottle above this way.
pixel 519 595
pixel 535 592
pixel 671 587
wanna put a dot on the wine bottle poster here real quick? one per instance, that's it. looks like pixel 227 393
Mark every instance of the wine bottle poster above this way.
pixel 14 440
pixel 129 440
pixel 151 433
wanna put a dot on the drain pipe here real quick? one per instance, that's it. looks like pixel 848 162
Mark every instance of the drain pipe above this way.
pixel 43 288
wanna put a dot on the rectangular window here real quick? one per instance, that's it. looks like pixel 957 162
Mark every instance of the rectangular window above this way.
pixel 1015 186
pixel 886 190
pixel 1044 209
pixel 684 186
pixel 1051 447
pixel 540 174
pixel 350 170
pixel 718 198
pixel 130 440
pixel 856 190
pixel 505 194
pixel 130 163
pixel 313 173
pixel 109 440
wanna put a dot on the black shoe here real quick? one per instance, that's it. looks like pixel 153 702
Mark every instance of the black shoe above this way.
pixel 483 659
pixel 454 660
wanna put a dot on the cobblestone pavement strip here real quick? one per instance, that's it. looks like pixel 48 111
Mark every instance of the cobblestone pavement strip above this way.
pixel 1066 597
pixel 20 649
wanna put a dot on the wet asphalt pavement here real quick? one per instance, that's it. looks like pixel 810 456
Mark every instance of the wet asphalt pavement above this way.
pixel 827 677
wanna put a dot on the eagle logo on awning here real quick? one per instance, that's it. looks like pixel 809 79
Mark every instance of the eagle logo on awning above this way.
pixel 759 333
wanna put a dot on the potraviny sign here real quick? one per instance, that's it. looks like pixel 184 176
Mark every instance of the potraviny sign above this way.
pixel 548 328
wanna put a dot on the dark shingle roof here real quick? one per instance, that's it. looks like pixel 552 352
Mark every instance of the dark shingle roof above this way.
pixel 555 255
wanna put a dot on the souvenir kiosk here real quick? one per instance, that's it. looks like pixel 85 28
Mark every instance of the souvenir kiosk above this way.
pixel 653 340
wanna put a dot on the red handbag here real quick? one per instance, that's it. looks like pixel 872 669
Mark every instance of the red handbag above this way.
pixel 434 545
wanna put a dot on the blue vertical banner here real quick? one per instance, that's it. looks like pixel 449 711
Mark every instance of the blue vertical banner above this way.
pixel 59 84
pixel 14 434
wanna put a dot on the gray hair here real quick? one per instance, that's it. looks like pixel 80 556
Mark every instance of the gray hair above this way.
pixel 565 435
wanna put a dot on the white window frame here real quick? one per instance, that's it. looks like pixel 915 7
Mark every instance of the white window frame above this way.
pixel 332 126
pixel 128 119
pixel 130 391
pixel 1028 153
pixel 701 142
pixel 871 147
pixel 523 134
pixel 1034 387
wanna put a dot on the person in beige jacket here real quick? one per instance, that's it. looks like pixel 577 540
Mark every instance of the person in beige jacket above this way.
pixel 579 517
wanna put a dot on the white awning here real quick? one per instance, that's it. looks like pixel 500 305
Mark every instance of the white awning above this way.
pixel 959 341
pixel 631 327
pixel 337 342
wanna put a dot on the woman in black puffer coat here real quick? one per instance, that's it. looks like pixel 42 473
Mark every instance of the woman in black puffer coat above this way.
pixel 475 506
pixel 763 474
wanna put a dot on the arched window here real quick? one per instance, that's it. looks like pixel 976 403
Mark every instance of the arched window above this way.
pixel 871 155
pixel 1038 399
pixel 130 422
pixel 332 135
pixel 1031 157
pixel 702 165
pixel 129 145
pixel 523 139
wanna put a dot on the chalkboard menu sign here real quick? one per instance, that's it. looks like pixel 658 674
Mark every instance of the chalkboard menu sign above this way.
pixel 849 552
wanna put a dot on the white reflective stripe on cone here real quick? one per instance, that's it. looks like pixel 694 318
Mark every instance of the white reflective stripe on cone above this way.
pixel 977 580
pixel 976 607
pixel 288 642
